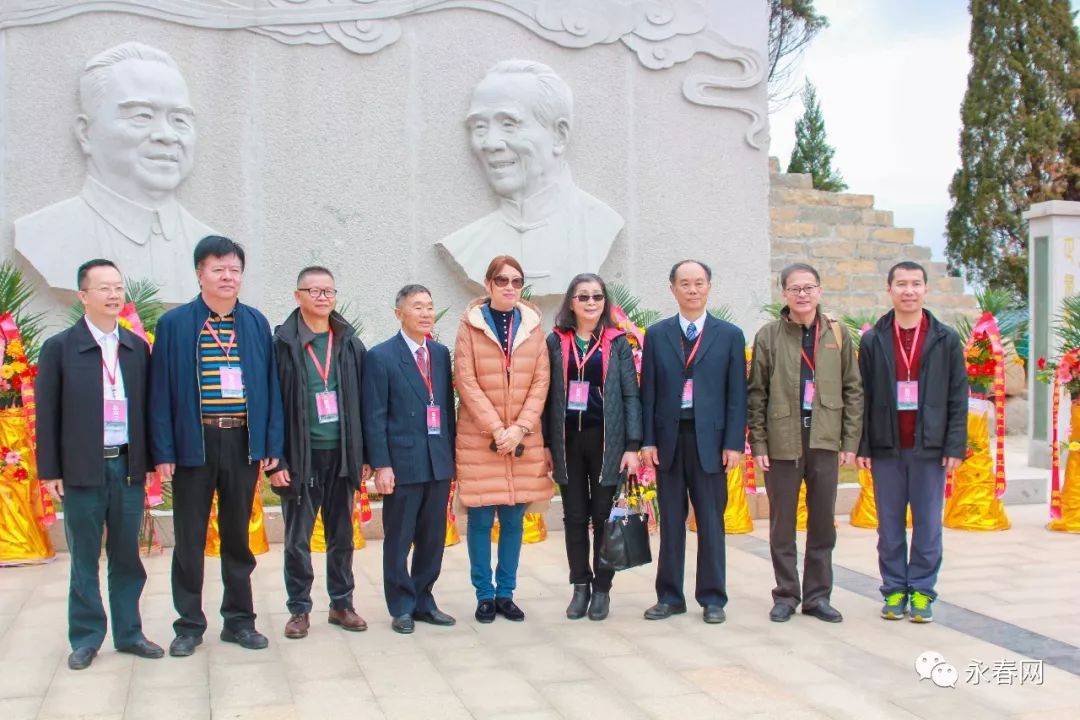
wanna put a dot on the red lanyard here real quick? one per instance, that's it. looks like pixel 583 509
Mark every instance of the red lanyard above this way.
pixel 697 343
pixel 914 346
pixel 509 343
pixel 584 359
pixel 217 339
pixel 802 350
pixel 425 372
pixel 324 372
pixel 111 374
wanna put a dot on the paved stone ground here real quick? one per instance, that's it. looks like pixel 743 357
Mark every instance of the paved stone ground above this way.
pixel 1006 598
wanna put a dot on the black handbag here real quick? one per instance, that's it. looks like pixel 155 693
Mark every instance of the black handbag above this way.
pixel 626 537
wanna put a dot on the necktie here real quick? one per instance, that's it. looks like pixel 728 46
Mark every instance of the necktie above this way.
pixel 691 332
pixel 422 360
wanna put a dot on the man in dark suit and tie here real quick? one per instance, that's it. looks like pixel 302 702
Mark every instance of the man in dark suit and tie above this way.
pixel 92 451
pixel 408 402
pixel 693 396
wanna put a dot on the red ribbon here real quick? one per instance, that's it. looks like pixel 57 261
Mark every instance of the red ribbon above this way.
pixel 1061 376
pixel 987 325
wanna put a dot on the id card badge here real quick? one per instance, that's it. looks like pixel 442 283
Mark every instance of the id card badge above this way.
pixel 578 397
pixel 808 395
pixel 326 406
pixel 907 395
pixel 434 420
pixel 115 415
pixel 232 382
pixel 688 393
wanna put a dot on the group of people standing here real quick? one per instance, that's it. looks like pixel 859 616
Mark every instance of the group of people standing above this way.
pixel 222 399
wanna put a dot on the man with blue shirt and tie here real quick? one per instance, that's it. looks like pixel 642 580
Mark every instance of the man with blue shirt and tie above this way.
pixel 408 402
pixel 693 396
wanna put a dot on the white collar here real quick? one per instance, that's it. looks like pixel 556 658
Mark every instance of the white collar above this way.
pixel 134 221
pixel 535 210
pixel 413 347
pixel 699 323
pixel 99 335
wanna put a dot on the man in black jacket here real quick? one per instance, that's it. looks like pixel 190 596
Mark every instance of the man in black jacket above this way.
pixel 92 453
pixel 915 395
pixel 319 362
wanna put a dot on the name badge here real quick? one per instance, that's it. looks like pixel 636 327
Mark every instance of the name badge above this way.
pixel 434 420
pixel 688 393
pixel 578 397
pixel 232 382
pixel 326 406
pixel 907 395
pixel 808 395
pixel 115 415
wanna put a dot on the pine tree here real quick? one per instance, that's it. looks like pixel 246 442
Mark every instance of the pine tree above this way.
pixel 793 24
pixel 1020 141
pixel 812 154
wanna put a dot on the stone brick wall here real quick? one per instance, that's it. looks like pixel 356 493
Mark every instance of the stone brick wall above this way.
pixel 853 245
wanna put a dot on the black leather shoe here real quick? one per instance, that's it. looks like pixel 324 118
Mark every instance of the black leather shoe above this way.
pixel 435 617
pixel 80 658
pixel 143 648
pixel 184 645
pixel 822 610
pixel 247 638
pixel 713 614
pixel 579 602
pixel 403 624
pixel 598 608
pixel 662 611
pixel 781 612
pixel 509 610
pixel 485 611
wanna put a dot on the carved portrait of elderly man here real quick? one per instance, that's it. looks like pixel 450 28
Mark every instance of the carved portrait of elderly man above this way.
pixel 519 127
pixel 137 130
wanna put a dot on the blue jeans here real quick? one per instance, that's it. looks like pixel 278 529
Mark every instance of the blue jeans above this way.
pixel 898 482
pixel 478 538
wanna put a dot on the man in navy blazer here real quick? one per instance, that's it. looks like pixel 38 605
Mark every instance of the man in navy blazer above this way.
pixel 693 396
pixel 408 403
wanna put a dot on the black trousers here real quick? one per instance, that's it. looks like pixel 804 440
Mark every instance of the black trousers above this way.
pixel 333 495
pixel 820 469
pixel 413 515
pixel 228 471
pixel 584 500
pixel 116 506
pixel 708 493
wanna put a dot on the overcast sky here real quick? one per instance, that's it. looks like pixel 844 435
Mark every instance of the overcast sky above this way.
pixel 890 78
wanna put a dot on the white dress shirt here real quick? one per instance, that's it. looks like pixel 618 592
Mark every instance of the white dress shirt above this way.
pixel 699 323
pixel 413 347
pixel 110 347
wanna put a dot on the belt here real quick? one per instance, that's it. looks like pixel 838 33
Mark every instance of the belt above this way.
pixel 115 451
pixel 224 423
pixel 806 421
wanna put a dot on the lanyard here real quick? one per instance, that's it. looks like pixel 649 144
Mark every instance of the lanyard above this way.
pixel 509 344
pixel 697 343
pixel 217 339
pixel 425 373
pixel 582 361
pixel 914 346
pixel 324 372
pixel 812 364
pixel 111 374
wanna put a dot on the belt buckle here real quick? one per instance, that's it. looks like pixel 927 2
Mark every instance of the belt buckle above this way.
pixel 112 453
pixel 225 423
pixel 806 421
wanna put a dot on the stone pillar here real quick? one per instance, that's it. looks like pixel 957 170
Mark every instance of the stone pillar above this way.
pixel 1053 272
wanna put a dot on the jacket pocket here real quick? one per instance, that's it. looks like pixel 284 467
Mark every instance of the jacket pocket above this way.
pixel 828 418
pixel 401 441
pixel 882 418
pixel 933 427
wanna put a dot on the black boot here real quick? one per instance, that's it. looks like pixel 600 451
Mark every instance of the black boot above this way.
pixel 579 604
pixel 598 608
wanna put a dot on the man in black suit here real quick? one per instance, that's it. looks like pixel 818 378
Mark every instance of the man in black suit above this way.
pixel 92 454
pixel 693 396
pixel 408 402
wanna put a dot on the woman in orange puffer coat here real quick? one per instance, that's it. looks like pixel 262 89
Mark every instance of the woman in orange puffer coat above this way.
pixel 502 373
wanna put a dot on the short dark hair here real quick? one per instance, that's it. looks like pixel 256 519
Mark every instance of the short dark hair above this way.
pixel 797 267
pixel 313 270
pixel 217 246
pixel 408 291
pixel 907 265
pixel 566 320
pixel 89 265
pixel 676 266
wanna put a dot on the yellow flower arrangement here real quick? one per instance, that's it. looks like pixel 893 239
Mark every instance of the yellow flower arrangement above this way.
pixel 15 349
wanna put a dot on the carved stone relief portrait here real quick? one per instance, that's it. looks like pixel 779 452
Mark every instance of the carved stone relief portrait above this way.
pixel 137 131
pixel 519 126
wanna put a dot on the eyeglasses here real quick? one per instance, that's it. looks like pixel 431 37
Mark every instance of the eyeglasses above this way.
pixel 502 281
pixel 316 293
pixel 107 289
pixel 583 298
pixel 804 290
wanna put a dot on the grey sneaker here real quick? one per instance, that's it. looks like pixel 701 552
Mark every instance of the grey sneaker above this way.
pixel 920 608
pixel 895 606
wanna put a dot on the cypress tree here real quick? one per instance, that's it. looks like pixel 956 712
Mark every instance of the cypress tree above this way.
pixel 1020 140
pixel 812 154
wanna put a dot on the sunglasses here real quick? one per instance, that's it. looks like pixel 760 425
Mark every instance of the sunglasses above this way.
pixel 583 298
pixel 502 281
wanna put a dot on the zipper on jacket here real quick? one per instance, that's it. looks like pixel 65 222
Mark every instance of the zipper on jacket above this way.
pixel 198 386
